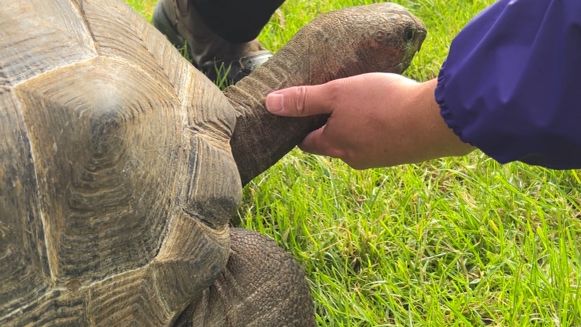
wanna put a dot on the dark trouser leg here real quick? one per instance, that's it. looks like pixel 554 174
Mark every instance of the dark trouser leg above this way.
pixel 236 21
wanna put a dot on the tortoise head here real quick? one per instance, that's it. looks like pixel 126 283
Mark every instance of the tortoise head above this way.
pixel 375 38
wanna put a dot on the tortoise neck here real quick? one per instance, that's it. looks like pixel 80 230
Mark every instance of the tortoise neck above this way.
pixel 260 139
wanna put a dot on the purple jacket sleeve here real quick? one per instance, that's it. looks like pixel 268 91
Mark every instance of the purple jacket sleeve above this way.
pixel 511 84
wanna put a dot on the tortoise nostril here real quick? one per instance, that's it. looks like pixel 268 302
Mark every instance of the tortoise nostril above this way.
pixel 409 34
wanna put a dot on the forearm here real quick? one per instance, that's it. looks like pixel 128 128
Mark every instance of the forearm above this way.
pixel 510 85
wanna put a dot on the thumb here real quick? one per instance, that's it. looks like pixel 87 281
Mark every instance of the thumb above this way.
pixel 299 101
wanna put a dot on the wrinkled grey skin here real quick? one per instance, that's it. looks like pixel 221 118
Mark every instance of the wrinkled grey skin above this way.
pixel 376 38
pixel 122 166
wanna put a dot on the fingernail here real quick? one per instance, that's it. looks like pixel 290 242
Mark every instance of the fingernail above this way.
pixel 275 102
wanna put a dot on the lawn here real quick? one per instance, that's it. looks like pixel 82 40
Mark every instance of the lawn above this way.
pixel 454 242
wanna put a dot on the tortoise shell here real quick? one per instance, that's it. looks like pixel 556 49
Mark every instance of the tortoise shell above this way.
pixel 119 176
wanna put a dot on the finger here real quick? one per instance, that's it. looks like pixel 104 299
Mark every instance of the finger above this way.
pixel 300 101
pixel 317 143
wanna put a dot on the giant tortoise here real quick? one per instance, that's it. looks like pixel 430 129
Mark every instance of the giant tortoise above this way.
pixel 121 166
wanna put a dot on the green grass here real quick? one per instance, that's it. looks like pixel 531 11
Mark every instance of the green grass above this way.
pixel 454 242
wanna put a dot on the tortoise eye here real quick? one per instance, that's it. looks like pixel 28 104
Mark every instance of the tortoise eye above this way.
pixel 409 34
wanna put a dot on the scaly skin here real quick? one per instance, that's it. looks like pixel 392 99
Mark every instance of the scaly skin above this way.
pixel 375 38
pixel 262 285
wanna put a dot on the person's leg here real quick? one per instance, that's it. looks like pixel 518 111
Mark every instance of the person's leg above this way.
pixel 236 20
pixel 220 33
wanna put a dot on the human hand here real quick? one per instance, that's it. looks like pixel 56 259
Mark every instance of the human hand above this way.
pixel 376 119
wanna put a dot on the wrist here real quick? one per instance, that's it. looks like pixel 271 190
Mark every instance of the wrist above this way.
pixel 437 137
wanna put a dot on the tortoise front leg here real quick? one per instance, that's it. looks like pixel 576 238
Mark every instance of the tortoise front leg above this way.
pixel 261 286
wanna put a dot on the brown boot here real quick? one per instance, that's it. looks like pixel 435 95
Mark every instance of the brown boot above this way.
pixel 210 53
